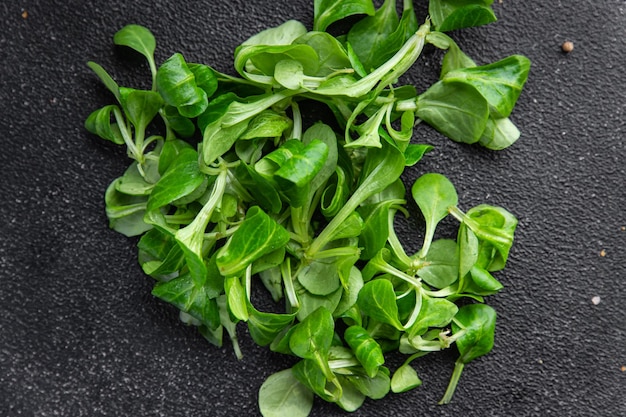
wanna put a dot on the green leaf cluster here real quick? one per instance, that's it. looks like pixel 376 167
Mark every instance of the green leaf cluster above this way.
pixel 236 191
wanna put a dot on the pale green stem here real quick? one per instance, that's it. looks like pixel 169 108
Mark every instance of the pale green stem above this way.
pixel 454 380
pixel 221 235
pixel 296 132
pixel 192 235
pixel 248 281
pixel 300 224
pixel 153 71
pixel 343 363
pixel 336 252
pixel 397 273
pixel 457 214
pixel 416 310
pixel 119 119
pixel 394 242
pixel 285 271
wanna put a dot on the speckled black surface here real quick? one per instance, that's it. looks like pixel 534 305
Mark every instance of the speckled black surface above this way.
pixel 80 334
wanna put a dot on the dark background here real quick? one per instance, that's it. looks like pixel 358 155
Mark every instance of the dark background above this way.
pixel 80 334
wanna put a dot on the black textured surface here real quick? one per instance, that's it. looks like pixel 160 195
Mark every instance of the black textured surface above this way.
pixel 80 334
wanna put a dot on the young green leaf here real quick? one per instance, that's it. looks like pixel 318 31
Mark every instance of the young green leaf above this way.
pixel 476 324
pixel 441 267
pixel 485 282
pixel 159 254
pixel 283 34
pixel 181 178
pixel 177 122
pixel 378 299
pixel 217 139
pixel 374 388
pixel 455 109
pixel 104 76
pixel 327 12
pixel 289 73
pixel 256 58
pixel 133 183
pixel 140 106
pixel 405 379
pixel 365 348
pixel 499 134
pixel 323 133
pixel 320 277
pixel 352 398
pixel 310 374
pixel 369 36
pixel 377 38
pixel 282 395
pixel 265 327
pixel 190 298
pixel 434 195
pixel 332 57
pixel 450 15
pixel 99 123
pixel 296 173
pixel 312 338
pixel 435 312
pixel 236 297
pixel 258 235
pixel 177 84
pixel 170 151
pixel 415 152
pixel 125 212
pixel 261 188
pixel 309 302
pixel 205 77
pixel 454 59
pixel 351 292
pixel 500 83
pixel 468 250
pixel 138 38
pixel 267 124
pixel 495 228
pixel 375 231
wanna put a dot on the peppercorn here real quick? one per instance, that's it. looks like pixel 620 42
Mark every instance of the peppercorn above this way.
pixel 567 46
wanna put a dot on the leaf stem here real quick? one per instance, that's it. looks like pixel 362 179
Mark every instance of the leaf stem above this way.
pixel 285 271
pixel 385 267
pixel 342 363
pixel 248 281
pixel 454 380
pixel 192 235
pixel 336 252
pixel 416 309
pixel 457 214
pixel 394 242
pixel 296 132
pixel 130 144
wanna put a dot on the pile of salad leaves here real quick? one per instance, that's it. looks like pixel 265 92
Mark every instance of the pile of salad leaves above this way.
pixel 236 191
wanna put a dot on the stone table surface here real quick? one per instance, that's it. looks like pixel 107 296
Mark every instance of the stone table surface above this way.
pixel 80 334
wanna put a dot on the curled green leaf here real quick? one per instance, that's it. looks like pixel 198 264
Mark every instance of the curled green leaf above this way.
pixel 327 12
pixel 365 348
pixel 448 15
pixel 258 235
pixel 177 84
pixel 99 123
